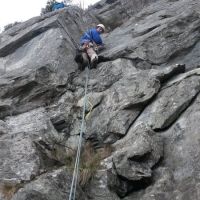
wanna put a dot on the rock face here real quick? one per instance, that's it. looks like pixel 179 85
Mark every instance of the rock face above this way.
pixel 122 103
pixel 167 107
pixel 54 185
pixel 142 102
pixel 162 33
pixel 134 158
pixel 114 13
pixel 21 159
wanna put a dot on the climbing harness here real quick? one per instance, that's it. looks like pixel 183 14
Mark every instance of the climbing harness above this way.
pixel 72 195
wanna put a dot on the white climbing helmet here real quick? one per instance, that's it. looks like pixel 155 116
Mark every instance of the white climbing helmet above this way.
pixel 102 26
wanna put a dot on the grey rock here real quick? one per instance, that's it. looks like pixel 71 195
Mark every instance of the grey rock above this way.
pixel 181 161
pixel 121 105
pixel 1 197
pixel 3 128
pixel 9 46
pixel 134 90
pixel 21 33
pixel 93 100
pixel 107 11
pixel 100 80
pixel 61 112
pixel 105 75
pixel 97 188
pixel 26 90
pixel 158 35
pixel 173 99
pixel 129 91
pixel 36 59
pixel 181 144
pixel 139 145
pixel 174 80
pixel 168 72
pixel 21 159
pixel 162 188
pixel 134 158
pixel 119 186
pixel 50 186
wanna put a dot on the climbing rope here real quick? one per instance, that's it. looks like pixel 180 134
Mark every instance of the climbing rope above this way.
pixel 72 194
pixel 77 161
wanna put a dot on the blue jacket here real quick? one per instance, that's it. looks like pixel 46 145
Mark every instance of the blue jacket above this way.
pixel 57 6
pixel 90 36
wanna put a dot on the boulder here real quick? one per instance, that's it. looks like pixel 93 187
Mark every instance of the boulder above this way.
pixel 173 99
pixel 178 176
pixel 98 189
pixel 134 158
pixel 161 188
pixel 51 186
pixel 21 159
pixel 36 60
pixel 122 104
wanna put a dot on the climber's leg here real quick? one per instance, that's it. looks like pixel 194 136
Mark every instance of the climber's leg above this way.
pixel 93 57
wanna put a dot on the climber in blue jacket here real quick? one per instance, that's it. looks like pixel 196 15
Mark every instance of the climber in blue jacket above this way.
pixel 91 43
pixel 93 35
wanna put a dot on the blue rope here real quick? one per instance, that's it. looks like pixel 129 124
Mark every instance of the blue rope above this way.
pixel 77 162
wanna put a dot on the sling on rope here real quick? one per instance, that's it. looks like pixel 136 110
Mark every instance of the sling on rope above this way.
pixel 72 195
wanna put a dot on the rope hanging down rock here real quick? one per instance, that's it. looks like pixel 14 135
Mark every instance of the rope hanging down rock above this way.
pixel 72 195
